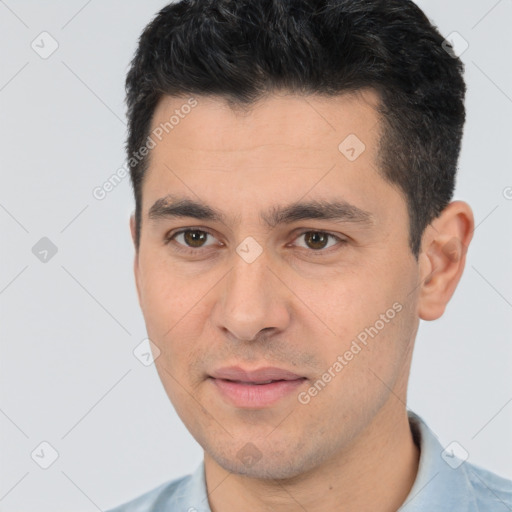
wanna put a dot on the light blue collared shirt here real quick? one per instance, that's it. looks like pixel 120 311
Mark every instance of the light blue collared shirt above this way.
pixel 444 483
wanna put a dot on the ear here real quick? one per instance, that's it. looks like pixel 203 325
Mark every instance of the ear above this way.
pixel 136 258
pixel 443 257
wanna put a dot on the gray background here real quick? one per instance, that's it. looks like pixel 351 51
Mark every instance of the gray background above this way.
pixel 69 325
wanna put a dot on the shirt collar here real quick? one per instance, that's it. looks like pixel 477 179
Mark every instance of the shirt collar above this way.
pixel 438 485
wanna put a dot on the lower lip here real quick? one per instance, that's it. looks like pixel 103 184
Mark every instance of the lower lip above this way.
pixel 256 395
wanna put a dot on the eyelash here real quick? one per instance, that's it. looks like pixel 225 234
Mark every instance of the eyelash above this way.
pixel 188 250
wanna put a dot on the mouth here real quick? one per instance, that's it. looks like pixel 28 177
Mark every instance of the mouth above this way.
pixel 262 375
pixel 257 388
pixel 255 383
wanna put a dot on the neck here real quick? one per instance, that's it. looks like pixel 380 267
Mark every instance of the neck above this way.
pixel 375 473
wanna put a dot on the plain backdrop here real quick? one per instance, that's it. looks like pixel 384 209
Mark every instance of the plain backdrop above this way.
pixel 71 320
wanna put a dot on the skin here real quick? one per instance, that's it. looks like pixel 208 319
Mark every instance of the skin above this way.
pixel 350 448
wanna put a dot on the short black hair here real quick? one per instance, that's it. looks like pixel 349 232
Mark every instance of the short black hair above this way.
pixel 242 50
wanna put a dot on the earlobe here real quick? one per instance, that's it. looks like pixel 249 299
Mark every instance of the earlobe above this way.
pixel 442 260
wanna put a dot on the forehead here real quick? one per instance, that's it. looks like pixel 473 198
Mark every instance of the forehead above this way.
pixel 295 122
pixel 281 149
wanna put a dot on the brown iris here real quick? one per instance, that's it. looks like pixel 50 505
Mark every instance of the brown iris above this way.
pixel 316 238
pixel 195 238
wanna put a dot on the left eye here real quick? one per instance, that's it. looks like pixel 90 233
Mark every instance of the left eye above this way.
pixel 318 240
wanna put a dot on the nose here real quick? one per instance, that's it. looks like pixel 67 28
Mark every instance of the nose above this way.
pixel 252 299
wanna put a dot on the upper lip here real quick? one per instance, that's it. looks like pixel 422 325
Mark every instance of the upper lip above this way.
pixel 236 373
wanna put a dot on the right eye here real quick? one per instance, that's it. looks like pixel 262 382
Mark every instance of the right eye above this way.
pixel 190 240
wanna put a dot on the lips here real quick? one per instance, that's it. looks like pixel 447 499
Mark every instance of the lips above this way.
pixel 260 376
pixel 255 389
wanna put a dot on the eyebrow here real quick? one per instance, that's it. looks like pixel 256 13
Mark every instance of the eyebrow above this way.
pixel 172 207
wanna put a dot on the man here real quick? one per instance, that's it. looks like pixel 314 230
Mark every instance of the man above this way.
pixel 293 165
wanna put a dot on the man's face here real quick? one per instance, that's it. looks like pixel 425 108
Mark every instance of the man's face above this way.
pixel 239 291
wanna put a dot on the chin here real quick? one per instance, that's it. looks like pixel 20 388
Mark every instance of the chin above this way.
pixel 259 470
pixel 277 465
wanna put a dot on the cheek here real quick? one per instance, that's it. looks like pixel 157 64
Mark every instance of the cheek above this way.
pixel 163 293
pixel 369 308
pixel 346 303
pixel 174 312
